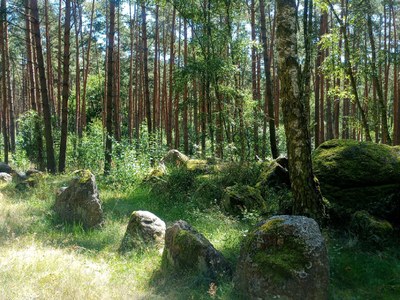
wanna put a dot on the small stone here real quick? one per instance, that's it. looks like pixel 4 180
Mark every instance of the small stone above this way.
pixel 145 229
pixel 284 257
pixel 186 250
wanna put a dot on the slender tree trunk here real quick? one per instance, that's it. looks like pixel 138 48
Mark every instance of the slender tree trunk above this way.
pixel 77 71
pixel 185 93
pixel 4 71
pixel 49 66
pixel 171 70
pixel 86 71
pixel 65 88
pixel 51 163
pixel 156 91
pixel 307 196
pixel 130 88
pixel 146 70
pixel 268 84
pixel 385 128
pixel 254 78
pixel 110 88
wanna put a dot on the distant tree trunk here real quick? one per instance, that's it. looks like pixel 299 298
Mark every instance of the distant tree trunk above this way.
pixel 117 80
pixel 110 88
pixel 77 71
pixel 146 70
pixel 130 89
pixel 4 72
pixel 51 163
pixel 185 93
pixel 307 196
pixel 254 78
pixel 156 92
pixel 86 71
pixel 268 84
pixel 385 128
pixel 65 89
pixel 32 89
pixel 59 64
pixel 396 105
pixel 49 63
pixel 171 70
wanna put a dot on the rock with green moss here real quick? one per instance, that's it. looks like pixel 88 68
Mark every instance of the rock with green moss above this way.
pixel 145 230
pixel 359 176
pixel 174 158
pixel 240 198
pixel 274 174
pixel 285 257
pixel 79 202
pixel 370 229
pixel 186 250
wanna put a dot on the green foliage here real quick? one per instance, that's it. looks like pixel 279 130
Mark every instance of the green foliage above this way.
pixel 30 131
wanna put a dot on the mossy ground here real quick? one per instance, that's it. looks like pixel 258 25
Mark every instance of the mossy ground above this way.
pixel 42 258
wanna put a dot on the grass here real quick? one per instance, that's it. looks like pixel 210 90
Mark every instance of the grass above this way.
pixel 41 258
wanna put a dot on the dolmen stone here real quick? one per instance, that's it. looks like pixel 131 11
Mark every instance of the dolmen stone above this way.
pixel 79 202
pixel 145 230
pixel 187 250
pixel 285 257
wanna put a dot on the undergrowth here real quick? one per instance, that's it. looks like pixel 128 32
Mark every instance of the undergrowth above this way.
pixel 45 259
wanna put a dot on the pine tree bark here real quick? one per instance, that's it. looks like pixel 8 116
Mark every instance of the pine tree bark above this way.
pixel 110 88
pixel 51 163
pixel 307 196
pixel 146 70
pixel 268 84
pixel 65 88
pixel 4 71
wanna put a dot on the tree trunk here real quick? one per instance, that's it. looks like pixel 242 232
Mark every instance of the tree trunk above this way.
pixel 110 88
pixel 4 71
pixel 65 88
pixel 307 196
pixel 268 84
pixel 385 130
pixel 86 71
pixel 51 163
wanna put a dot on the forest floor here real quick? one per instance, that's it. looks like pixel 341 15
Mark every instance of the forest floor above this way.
pixel 41 259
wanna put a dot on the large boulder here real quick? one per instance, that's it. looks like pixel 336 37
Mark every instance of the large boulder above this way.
pixel 370 229
pixel 144 230
pixel 358 176
pixel 79 202
pixel 174 158
pixel 274 174
pixel 285 257
pixel 240 198
pixel 186 250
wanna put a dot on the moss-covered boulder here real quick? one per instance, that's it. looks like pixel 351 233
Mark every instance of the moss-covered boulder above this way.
pixel 370 229
pixel 174 158
pixel 285 257
pixel 359 176
pixel 186 250
pixel 274 174
pixel 240 198
pixel 145 230
pixel 79 202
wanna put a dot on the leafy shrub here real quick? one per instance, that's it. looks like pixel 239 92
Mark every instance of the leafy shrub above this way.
pixel 30 126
